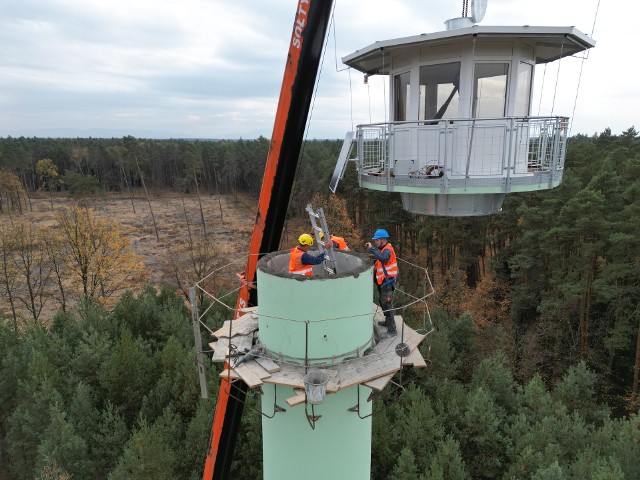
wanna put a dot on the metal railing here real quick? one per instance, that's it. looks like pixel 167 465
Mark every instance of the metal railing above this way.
pixel 483 152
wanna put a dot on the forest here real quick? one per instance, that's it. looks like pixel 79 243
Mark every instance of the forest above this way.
pixel 533 368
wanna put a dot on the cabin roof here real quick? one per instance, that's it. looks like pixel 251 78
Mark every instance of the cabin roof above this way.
pixel 552 43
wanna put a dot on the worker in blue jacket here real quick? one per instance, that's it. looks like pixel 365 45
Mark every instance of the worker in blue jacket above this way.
pixel 386 272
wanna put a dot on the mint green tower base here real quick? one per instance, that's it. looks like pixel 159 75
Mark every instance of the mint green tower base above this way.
pixel 339 447
pixel 321 322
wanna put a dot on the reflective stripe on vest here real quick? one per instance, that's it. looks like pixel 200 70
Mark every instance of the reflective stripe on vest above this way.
pixel 391 266
pixel 295 263
pixel 342 245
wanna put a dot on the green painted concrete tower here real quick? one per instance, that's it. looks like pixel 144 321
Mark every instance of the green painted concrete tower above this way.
pixel 316 322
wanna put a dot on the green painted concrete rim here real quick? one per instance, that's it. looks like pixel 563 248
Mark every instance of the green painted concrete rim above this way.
pixel 365 264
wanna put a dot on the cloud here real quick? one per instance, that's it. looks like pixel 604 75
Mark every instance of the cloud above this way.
pixel 214 67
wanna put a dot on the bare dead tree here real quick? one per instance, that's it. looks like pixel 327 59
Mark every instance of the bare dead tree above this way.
pixel 8 276
pixel 195 180
pixel 33 269
pixel 146 192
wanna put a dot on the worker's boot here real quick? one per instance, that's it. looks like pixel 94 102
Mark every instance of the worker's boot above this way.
pixel 390 323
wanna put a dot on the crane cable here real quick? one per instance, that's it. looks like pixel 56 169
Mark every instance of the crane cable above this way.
pixel 584 57
pixel 544 75
pixel 555 90
pixel 338 69
pixel 309 117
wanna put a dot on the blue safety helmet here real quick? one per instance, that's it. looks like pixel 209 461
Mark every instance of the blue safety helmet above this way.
pixel 380 233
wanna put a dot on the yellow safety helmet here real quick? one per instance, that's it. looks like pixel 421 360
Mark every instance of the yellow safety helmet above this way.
pixel 305 239
pixel 321 233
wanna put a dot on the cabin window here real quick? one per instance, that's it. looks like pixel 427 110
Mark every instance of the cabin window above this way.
pixel 439 91
pixel 490 90
pixel 523 90
pixel 401 90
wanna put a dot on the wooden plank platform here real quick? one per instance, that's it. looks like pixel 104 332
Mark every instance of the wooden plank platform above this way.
pixel 219 351
pixel 380 382
pixel 229 374
pixel 375 370
pixel 288 376
pixel 248 309
pixel 415 358
pixel 370 367
pixel 244 325
pixel 221 347
pixel 268 364
pixel 250 372
pixel 293 376
pixel 296 400
pixel 411 338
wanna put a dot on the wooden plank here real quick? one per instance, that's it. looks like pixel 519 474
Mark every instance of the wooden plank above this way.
pixel 268 364
pixel 257 370
pixel 419 361
pixel 385 345
pixel 248 309
pixel 229 374
pixel 244 325
pixel 288 376
pixel 410 336
pixel 293 376
pixel 415 359
pixel 296 400
pixel 241 342
pixel 220 349
pixel 380 382
pixel 248 374
pixel 225 327
pixel 333 385
pixel 363 370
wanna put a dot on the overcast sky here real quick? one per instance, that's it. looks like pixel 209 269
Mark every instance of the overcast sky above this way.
pixel 213 68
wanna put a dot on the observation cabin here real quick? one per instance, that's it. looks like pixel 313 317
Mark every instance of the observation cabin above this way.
pixel 462 134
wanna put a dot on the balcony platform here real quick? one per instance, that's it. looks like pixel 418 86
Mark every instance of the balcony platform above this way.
pixel 461 167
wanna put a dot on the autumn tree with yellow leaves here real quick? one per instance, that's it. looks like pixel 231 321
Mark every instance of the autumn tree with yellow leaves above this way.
pixel 97 255
pixel 12 192
pixel 49 177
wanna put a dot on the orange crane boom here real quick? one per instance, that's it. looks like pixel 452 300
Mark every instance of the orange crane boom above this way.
pixel 303 60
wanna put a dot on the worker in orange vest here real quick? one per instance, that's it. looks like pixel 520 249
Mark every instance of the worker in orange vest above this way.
pixel 386 272
pixel 301 262
pixel 338 242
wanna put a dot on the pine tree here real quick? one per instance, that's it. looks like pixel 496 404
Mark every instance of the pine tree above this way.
pixel 576 391
pixel 447 462
pixel 109 438
pixel 405 468
pixel 128 374
pixel 481 440
pixel 551 472
pixel 61 442
pixel 147 455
